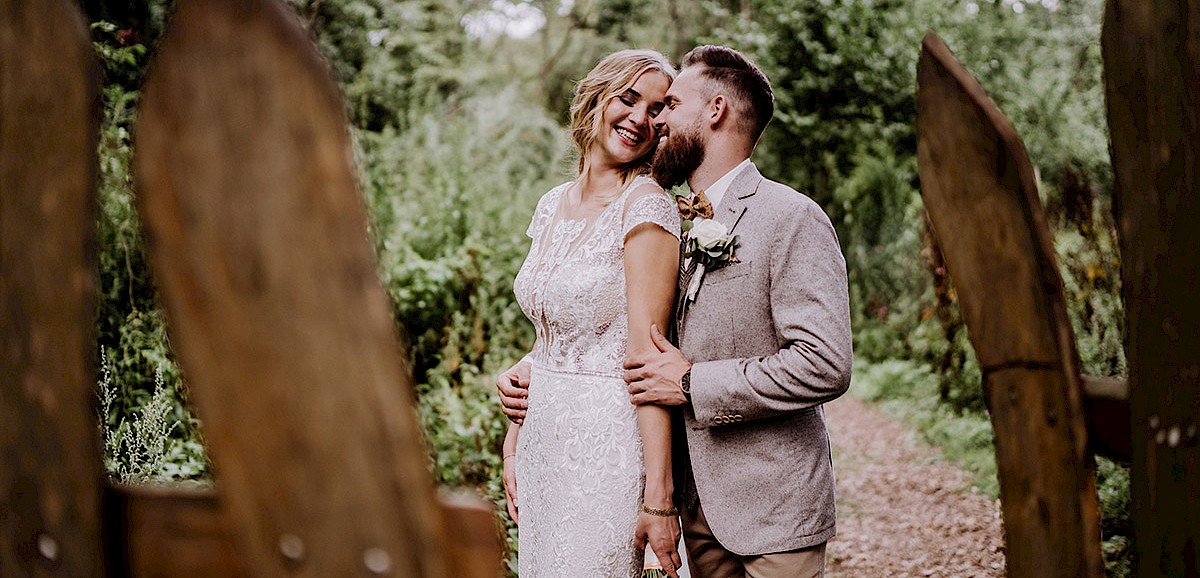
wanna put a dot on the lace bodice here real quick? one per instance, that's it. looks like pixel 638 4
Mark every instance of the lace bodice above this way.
pixel 572 284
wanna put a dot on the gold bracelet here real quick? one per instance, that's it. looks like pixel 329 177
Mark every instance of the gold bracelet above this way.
pixel 672 511
pixel 506 456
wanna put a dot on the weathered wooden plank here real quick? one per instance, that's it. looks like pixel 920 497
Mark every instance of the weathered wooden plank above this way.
pixel 982 199
pixel 49 448
pixel 167 532
pixel 1106 406
pixel 1152 78
pixel 259 244
pixel 179 532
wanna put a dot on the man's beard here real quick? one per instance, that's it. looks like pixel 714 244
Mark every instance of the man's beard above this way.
pixel 678 158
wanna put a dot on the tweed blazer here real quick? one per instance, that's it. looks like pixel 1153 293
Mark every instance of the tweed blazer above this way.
pixel 769 339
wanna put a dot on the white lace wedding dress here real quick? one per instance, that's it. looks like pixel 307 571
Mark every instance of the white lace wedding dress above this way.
pixel 579 454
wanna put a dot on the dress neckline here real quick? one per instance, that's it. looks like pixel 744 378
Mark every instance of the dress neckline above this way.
pixel 557 216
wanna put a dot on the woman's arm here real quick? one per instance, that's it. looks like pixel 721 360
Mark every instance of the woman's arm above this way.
pixel 509 454
pixel 651 270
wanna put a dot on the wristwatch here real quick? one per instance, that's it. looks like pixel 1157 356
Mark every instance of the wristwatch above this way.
pixel 685 383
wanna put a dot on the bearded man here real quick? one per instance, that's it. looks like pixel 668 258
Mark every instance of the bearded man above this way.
pixel 763 326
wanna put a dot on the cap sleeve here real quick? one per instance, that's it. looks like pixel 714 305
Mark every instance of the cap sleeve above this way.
pixel 656 208
pixel 544 211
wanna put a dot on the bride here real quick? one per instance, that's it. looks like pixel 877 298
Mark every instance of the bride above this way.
pixel 593 474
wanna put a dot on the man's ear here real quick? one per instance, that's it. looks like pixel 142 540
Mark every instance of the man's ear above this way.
pixel 718 111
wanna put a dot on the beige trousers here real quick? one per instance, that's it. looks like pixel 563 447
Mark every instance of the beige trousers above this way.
pixel 708 559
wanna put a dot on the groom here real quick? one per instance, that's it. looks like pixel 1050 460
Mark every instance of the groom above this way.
pixel 764 339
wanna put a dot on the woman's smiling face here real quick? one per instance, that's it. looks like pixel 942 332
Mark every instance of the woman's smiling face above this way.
pixel 627 125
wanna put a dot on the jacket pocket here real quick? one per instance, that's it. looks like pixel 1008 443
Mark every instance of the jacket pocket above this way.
pixel 727 273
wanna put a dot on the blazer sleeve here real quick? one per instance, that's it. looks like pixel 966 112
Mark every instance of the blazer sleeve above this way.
pixel 810 311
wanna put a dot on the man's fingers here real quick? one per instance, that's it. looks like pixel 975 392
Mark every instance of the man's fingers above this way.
pixel 634 361
pixel 636 386
pixel 659 339
pixel 634 375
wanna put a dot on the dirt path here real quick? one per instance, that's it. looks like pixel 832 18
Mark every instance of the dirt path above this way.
pixel 902 512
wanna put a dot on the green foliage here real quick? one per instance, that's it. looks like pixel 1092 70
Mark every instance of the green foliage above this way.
pixel 843 78
pixel 392 58
pixel 1090 268
pixel 148 431
pixel 1112 485
pixel 456 137
pixel 144 444
pixel 450 204
pixel 881 232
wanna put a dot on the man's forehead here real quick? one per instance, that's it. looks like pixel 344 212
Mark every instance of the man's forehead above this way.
pixel 687 82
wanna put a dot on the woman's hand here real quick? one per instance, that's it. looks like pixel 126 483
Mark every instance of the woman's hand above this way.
pixel 510 486
pixel 661 535
pixel 513 388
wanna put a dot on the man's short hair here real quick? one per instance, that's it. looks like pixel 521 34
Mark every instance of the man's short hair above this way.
pixel 741 80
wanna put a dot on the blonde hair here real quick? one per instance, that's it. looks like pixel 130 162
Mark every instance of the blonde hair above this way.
pixel 606 81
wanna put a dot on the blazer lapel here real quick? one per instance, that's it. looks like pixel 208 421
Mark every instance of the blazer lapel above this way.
pixel 729 213
pixel 733 204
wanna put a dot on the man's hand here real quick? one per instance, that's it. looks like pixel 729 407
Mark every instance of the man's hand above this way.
pixel 513 387
pixel 655 378
pixel 661 535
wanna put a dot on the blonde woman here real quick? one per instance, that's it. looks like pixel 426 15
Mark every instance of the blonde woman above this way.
pixel 588 476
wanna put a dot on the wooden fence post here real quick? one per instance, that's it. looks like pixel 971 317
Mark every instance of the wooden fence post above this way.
pixel 1152 78
pixel 49 446
pixel 980 191
pixel 259 243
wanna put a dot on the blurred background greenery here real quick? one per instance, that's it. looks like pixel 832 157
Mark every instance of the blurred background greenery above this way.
pixel 458 111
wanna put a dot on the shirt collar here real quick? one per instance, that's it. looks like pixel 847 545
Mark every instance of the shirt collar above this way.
pixel 716 191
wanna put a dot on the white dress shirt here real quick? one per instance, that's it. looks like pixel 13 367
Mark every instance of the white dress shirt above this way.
pixel 716 191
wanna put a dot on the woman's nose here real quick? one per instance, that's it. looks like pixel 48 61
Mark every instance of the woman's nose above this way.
pixel 638 115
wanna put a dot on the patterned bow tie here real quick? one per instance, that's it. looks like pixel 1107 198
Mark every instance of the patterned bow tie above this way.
pixel 696 205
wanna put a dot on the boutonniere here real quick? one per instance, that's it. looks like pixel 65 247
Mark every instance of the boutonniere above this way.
pixel 710 246
pixel 709 243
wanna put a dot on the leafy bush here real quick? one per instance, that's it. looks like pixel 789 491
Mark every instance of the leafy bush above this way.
pixel 456 137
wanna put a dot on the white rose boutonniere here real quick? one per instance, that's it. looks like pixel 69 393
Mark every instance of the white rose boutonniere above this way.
pixel 709 243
